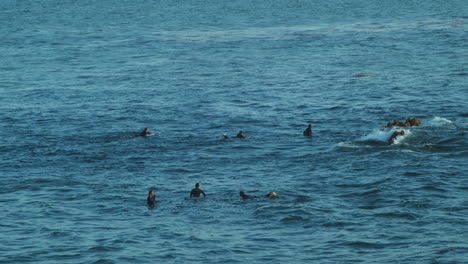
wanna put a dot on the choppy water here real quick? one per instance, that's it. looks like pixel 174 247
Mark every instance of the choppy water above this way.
pixel 80 79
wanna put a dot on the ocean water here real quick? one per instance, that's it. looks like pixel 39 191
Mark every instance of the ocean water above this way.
pixel 80 79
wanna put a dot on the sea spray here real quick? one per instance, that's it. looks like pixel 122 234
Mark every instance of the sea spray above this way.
pixel 384 134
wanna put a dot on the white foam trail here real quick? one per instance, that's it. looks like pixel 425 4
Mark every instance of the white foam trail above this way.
pixel 347 145
pixel 440 121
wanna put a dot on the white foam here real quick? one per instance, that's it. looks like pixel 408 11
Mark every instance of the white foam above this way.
pixel 440 121
pixel 378 135
pixel 348 145
pixel 399 139
pixel 384 135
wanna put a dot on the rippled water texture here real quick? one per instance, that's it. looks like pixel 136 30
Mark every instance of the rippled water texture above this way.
pixel 80 79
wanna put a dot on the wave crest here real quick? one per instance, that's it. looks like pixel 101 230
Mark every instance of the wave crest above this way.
pixel 383 135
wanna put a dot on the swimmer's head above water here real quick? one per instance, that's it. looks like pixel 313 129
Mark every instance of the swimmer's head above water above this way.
pixel 240 134
pixel 272 195
pixel 308 131
pixel 151 197
pixel 145 132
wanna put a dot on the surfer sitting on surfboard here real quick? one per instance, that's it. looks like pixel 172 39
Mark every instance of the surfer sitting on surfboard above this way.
pixel 145 132
pixel 197 191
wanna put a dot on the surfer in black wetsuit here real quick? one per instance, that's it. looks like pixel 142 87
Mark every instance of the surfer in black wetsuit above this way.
pixel 151 198
pixel 145 132
pixel 395 134
pixel 269 195
pixel 240 134
pixel 197 191
pixel 308 131
pixel 244 196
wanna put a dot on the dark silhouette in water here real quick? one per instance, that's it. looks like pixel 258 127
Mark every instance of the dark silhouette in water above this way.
pixel 197 191
pixel 410 122
pixel 272 195
pixel 240 134
pixel 244 196
pixel 151 199
pixel 394 135
pixel 269 195
pixel 145 132
pixel 308 131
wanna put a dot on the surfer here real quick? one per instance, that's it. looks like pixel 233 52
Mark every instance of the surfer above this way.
pixel 244 196
pixel 145 132
pixel 240 134
pixel 151 199
pixel 394 135
pixel 308 131
pixel 197 191
pixel 272 195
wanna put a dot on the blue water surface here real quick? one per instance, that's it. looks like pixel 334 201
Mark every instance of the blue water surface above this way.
pixel 80 79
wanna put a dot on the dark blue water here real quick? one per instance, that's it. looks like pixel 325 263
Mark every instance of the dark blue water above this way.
pixel 80 79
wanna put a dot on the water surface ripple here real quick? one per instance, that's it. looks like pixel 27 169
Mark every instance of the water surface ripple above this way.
pixel 81 79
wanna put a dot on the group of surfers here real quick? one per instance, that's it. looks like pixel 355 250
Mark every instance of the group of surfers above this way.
pixel 241 134
pixel 308 131
pixel 197 192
